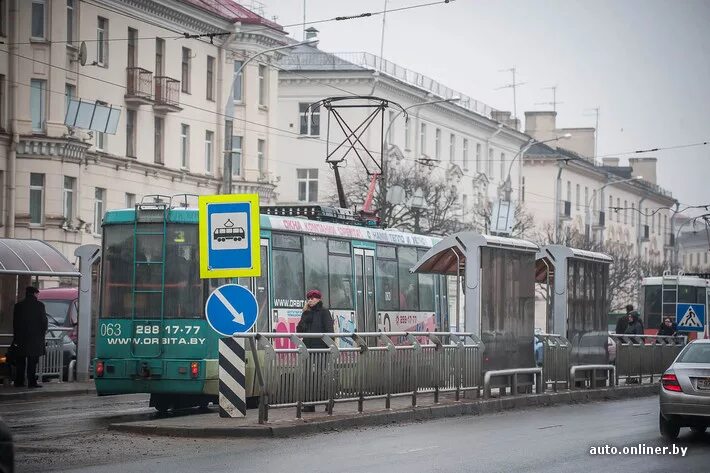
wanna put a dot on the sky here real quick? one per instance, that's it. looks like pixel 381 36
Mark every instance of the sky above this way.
pixel 644 63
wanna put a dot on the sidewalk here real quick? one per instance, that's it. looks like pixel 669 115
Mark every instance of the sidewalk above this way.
pixel 49 389
pixel 283 422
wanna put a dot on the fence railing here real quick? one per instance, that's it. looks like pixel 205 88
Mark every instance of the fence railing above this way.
pixel 555 360
pixel 367 366
pixel 640 356
pixel 52 363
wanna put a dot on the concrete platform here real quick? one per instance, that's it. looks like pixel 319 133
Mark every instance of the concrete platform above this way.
pixel 48 389
pixel 283 422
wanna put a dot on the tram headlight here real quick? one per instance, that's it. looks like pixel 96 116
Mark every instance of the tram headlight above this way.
pixel 99 368
pixel 194 369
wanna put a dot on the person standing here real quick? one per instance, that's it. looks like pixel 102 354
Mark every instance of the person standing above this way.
pixel 29 325
pixel 635 325
pixel 623 321
pixel 667 328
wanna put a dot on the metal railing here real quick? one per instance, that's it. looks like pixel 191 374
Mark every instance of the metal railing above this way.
pixel 167 91
pixel 511 378
pixel 639 356
pixel 555 359
pixel 139 82
pixel 590 375
pixel 378 365
pixel 52 363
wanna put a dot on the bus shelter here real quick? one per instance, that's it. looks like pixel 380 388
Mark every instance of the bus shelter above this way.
pixel 577 284
pixel 496 275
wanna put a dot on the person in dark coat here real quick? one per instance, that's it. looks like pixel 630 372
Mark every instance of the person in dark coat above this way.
pixel 635 326
pixel 315 319
pixel 623 321
pixel 29 325
pixel 667 328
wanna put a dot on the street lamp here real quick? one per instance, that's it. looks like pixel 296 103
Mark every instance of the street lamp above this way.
pixel 506 186
pixel 229 106
pixel 588 218
pixel 383 164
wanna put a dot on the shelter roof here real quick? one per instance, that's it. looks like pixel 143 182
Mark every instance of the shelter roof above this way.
pixel 33 257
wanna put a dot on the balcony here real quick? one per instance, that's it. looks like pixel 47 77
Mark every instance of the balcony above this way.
pixel 167 94
pixel 139 86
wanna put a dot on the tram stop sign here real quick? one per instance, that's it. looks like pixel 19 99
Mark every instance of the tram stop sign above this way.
pixel 229 236
pixel 690 317
pixel 231 309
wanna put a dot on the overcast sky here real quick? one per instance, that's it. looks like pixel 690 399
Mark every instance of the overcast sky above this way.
pixel 644 63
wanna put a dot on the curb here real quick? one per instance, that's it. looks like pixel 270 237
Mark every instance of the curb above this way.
pixel 44 394
pixel 406 415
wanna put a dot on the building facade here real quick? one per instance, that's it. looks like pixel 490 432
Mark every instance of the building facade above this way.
pixel 462 139
pixel 172 93
pixel 604 202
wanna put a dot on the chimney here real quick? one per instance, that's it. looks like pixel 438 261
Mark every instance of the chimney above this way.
pixel 645 167
pixel 504 117
pixel 581 142
pixel 541 125
pixel 311 33
pixel 611 162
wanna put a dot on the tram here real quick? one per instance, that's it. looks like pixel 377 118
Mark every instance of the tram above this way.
pixel 152 333
pixel 660 294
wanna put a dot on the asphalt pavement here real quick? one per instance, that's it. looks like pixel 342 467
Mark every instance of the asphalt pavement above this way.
pixel 543 439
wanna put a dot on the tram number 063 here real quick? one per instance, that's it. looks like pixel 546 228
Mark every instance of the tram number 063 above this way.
pixel 110 330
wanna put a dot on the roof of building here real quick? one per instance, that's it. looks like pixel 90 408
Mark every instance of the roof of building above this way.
pixel 234 12
pixel 310 58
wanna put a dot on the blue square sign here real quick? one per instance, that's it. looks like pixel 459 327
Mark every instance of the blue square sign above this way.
pixel 690 317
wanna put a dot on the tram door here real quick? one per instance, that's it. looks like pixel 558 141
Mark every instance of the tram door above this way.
pixel 365 290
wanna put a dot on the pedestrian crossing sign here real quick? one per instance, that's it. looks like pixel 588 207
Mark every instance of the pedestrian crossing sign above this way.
pixel 690 317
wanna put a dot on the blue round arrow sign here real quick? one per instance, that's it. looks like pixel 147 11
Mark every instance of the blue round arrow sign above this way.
pixel 231 309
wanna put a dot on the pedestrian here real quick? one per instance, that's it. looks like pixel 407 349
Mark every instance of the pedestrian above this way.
pixel 667 328
pixel 314 319
pixel 623 321
pixel 29 324
pixel 635 325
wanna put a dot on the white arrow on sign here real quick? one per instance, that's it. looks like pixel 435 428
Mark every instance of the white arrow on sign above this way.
pixel 238 316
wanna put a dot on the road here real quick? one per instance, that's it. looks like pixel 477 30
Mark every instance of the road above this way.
pixel 555 439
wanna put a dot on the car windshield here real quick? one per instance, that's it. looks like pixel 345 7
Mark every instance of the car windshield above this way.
pixel 57 311
pixel 695 353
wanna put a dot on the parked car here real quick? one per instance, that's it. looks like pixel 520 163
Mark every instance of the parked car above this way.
pixel 685 393
pixel 62 307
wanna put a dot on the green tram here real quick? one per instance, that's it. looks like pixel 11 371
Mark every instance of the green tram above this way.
pixel 152 335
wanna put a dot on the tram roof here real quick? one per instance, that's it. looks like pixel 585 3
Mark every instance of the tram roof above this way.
pixel 294 224
pixel 682 279
pixel 33 257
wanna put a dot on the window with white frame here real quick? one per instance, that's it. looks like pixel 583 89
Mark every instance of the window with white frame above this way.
pixel 185 70
pixel 478 157
pixel 101 138
pixel 236 155
pixel 210 78
pixel 36 198
pixel 437 143
pixel 390 121
pixel 159 56
pixel 465 154
pixel 238 81
pixel 159 131
pixel 102 42
pixel 569 192
pixel 68 198
pixel 131 133
pixel 99 209
pixel 452 147
pixel 69 93
pixel 209 151
pixel 522 189
pixel 130 200
pixel 585 204
pixel 618 213
pixel 184 146
pixel 625 212
pixel 611 206
pixel 71 18
pixel 422 138
pixel 261 156
pixel 39 19
pixel 3 94
pixel 594 202
pixel 407 134
pixel 309 119
pixel 263 85
pixel 132 47
pixel 38 104
pixel 577 197
pixel 489 171
pixel 307 185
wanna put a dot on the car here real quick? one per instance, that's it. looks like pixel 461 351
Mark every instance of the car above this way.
pixel 685 391
pixel 62 307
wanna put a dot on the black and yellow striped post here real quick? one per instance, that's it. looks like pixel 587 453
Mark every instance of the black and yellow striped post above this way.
pixel 232 378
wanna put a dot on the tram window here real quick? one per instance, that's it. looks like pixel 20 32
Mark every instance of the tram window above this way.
pixel 315 257
pixel 292 242
pixel 117 271
pixel 339 246
pixel 341 274
pixel 426 292
pixel 408 284
pixel 288 278
pixel 691 295
pixel 386 252
pixel 183 286
pixel 386 281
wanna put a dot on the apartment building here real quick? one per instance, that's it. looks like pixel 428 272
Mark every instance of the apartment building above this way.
pixel 172 93
pixel 462 139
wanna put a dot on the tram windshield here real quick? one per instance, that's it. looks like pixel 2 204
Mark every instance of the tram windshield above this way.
pixel 177 270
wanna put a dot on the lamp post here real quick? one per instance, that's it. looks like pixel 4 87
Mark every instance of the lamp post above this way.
pixel 588 218
pixel 229 109
pixel 383 163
